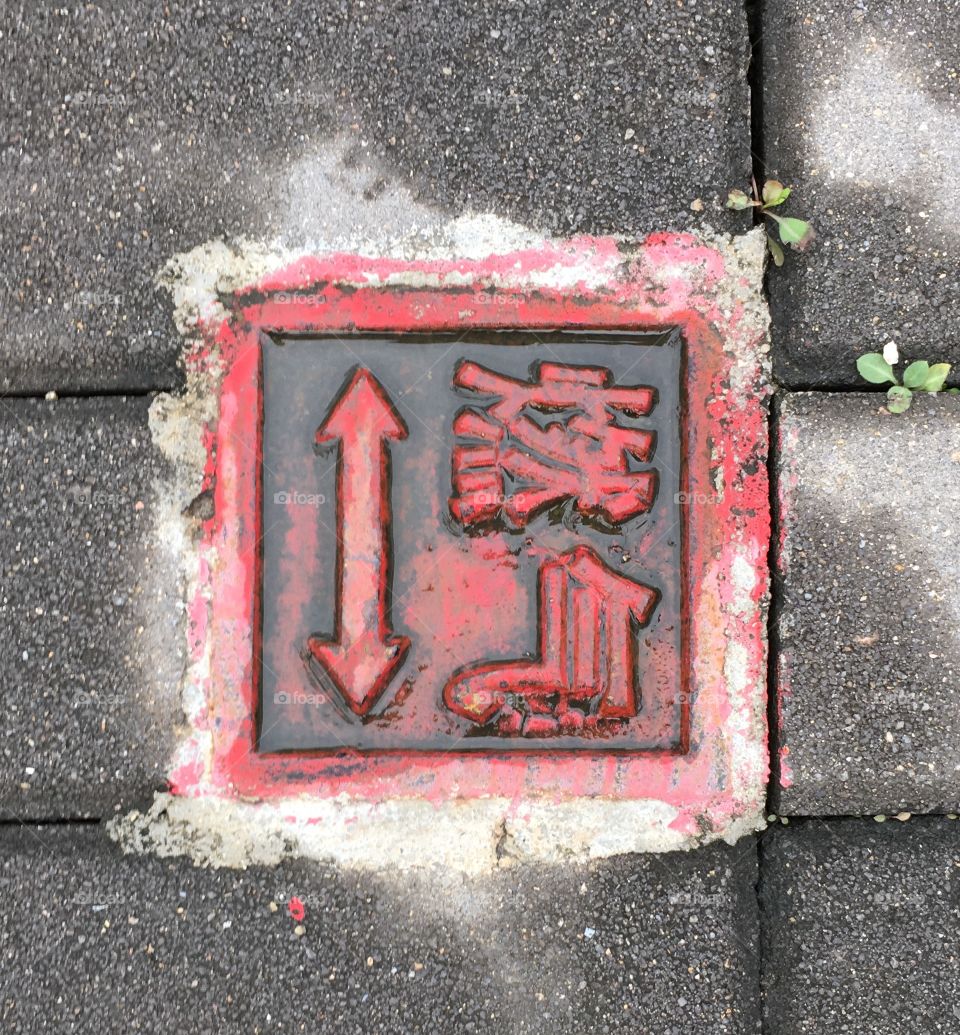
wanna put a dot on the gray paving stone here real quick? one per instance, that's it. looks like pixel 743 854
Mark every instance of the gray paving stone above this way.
pixel 134 133
pixel 860 115
pixel 869 624
pixel 91 940
pixel 861 928
pixel 91 634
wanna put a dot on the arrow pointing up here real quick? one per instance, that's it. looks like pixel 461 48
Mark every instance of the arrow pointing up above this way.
pixel 363 655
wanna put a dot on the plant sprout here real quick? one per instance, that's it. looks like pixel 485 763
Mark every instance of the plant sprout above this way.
pixel 797 233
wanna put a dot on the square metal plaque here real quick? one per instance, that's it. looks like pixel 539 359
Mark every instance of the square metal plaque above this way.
pixel 484 541
pixel 473 542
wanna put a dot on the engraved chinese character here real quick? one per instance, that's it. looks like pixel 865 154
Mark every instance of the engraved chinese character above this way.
pixel 569 434
pixel 587 670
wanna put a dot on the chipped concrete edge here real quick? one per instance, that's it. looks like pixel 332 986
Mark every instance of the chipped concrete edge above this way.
pixel 471 836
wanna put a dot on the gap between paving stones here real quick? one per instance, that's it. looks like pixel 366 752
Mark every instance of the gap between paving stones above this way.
pixel 104 393
pixel 754 14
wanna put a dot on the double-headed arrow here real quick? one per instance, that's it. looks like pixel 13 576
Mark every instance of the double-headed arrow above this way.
pixel 363 654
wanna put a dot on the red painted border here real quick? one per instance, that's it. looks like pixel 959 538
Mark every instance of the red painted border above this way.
pixel 672 282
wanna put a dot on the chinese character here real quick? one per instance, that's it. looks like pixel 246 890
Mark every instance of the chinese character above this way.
pixel 587 670
pixel 565 435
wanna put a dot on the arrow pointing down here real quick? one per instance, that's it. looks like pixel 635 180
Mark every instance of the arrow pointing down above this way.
pixel 363 654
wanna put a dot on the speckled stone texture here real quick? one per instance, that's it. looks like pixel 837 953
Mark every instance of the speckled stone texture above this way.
pixel 92 940
pixel 860 115
pixel 135 132
pixel 869 619
pixel 92 637
pixel 861 928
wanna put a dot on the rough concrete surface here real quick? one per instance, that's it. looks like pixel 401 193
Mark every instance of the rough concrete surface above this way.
pixel 92 640
pixel 861 116
pixel 133 132
pixel 861 928
pixel 869 621
pixel 92 940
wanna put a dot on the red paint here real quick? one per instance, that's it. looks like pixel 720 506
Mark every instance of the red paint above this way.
pixel 586 674
pixel 363 656
pixel 583 457
pixel 296 909
pixel 299 714
pixel 669 283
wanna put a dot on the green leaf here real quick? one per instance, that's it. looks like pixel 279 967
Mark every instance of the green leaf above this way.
pixel 774 193
pixel 797 232
pixel 936 377
pixel 874 368
pixel 916 373
pixel 736 199
pixel 899 399
pixel 953 391
pixel 775 250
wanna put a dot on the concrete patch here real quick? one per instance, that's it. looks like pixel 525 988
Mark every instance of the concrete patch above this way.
pixel 465 823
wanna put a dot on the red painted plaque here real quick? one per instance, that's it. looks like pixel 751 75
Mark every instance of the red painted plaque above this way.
pixel 485 529
pixel 472 542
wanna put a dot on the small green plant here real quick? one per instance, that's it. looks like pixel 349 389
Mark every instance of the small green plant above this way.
pixel 797 233
pixel 919 376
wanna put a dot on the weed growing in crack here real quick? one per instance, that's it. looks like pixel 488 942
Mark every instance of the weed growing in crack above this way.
pixel 797 233
pixel 919 376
